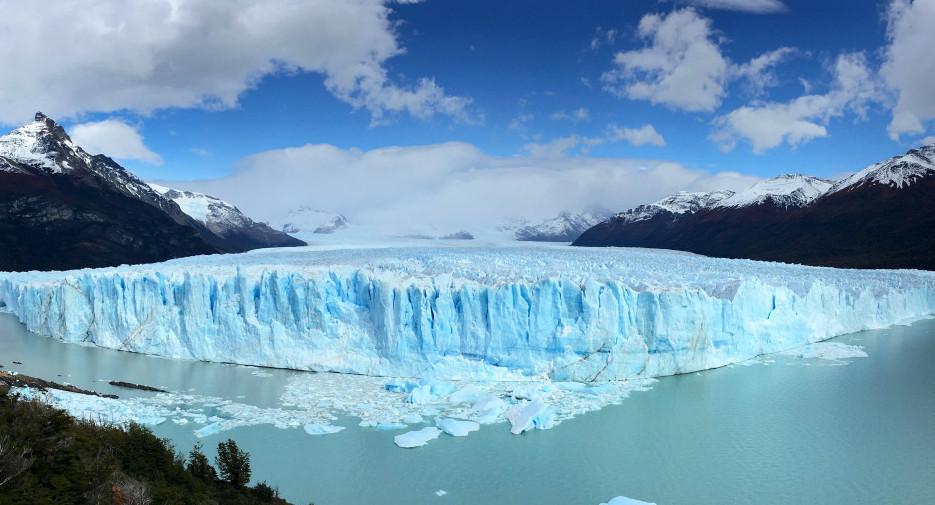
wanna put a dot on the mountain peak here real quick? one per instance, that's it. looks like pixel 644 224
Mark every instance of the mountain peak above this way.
pixel 42 143
pixel 898 171
pixel 787 190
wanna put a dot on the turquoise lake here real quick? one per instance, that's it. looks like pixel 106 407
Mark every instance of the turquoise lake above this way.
pixel 779 430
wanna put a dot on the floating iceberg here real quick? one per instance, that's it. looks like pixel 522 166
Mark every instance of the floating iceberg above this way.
pixel 456 427
pixel 417 438
pixel 465 313
pixel 623 500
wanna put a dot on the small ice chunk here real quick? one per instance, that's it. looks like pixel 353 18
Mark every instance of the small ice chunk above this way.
pixel 400 386
pixel 412 419
pixel 623 500
pixel 389 426
pixel 441 492
pixel 210 429
pixel 430 390
pixel 534 414
pixel 489 409
pixel 456 427
pixel 827 350
pixel 417 438
pixel 322 429
pixel 467 394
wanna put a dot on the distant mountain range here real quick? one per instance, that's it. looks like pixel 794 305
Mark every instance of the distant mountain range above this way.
pixel 563 228
pixel 61 208
pixel 881 217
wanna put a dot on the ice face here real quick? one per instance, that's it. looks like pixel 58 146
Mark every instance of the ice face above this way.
pixel 465 313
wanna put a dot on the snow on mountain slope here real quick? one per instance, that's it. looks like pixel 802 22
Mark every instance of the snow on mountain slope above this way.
pixel 564 228
pixel 225 220
pixel 788 190
pixel 41 143
pixel 465 312
pixel 898 171
pixel 679 203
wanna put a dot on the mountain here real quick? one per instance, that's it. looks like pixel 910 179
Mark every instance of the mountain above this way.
pixel 61 208
pixel 881 217
pixel 226 220
pixel 566 227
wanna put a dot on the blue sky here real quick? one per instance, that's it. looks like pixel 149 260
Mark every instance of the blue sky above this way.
pixel 720 92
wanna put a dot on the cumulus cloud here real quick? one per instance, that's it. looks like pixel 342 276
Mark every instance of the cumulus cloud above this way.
pixel 681 66
pixel 445 187
pixel 645 135
pixel 855 87
pixel 752 6
pixel 66 57
pixel 908 68
pixel 576 116
pixel 115 139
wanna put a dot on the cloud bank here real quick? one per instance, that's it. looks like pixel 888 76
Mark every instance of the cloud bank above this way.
pixel 909 67
pixel 65 57
pixel 441 188
pixel 115 139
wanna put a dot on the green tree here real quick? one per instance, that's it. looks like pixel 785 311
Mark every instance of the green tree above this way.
pixel 199 466
pixel 233 464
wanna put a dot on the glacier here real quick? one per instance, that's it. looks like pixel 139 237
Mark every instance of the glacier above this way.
pixel 454 312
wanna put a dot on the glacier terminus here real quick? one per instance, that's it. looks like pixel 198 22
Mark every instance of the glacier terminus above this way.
pixel 465 312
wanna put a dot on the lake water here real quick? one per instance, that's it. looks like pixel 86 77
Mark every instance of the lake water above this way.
pixel 781 430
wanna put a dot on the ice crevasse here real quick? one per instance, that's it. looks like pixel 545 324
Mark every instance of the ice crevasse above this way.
pixel 465 313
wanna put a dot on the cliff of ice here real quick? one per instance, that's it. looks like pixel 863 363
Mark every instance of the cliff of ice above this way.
pixel 465 312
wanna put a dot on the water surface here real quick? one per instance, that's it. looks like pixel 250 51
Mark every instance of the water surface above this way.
pixel 782 431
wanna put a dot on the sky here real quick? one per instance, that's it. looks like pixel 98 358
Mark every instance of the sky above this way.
pixel 450 114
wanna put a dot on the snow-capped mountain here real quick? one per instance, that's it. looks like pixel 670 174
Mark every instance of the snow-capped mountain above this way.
pixel 61 207
pixel 565 227
pixel 881 217
pixel 337 223
pixel 226 220
pixel 790 190
pixel 898 171
pixel 680 203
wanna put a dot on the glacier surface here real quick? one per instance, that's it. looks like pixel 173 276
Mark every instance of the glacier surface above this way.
pixel 464 312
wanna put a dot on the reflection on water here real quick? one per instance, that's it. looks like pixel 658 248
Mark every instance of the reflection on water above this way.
pixel 785 430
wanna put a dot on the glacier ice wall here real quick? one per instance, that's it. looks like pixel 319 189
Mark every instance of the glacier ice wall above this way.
pixel 465 312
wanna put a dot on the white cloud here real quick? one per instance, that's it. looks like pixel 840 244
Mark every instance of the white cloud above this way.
pixel 561 147
pixel 446 187
pixel 519 122
pixel 909 68
pixel 758 71
pixel 575 116
pixel 114 139
pixel 645 135
pixel 753 6
pixel 768 125
pixel 928 140
pixel 65 57
pixel 681 67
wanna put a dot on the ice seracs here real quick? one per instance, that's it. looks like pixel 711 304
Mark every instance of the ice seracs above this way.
pixel 465 313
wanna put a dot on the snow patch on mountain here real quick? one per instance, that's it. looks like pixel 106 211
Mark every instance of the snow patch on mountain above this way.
pixel 565 227
pixel 788 190
pixel 683 202
pixel 898 171
pixel 41 143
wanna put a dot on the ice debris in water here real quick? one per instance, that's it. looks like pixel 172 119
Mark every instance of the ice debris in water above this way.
pixel 456 427
pixel 322 429
pixel 623 500
pixel 417 438
pixel 313 400
pixel 832 351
